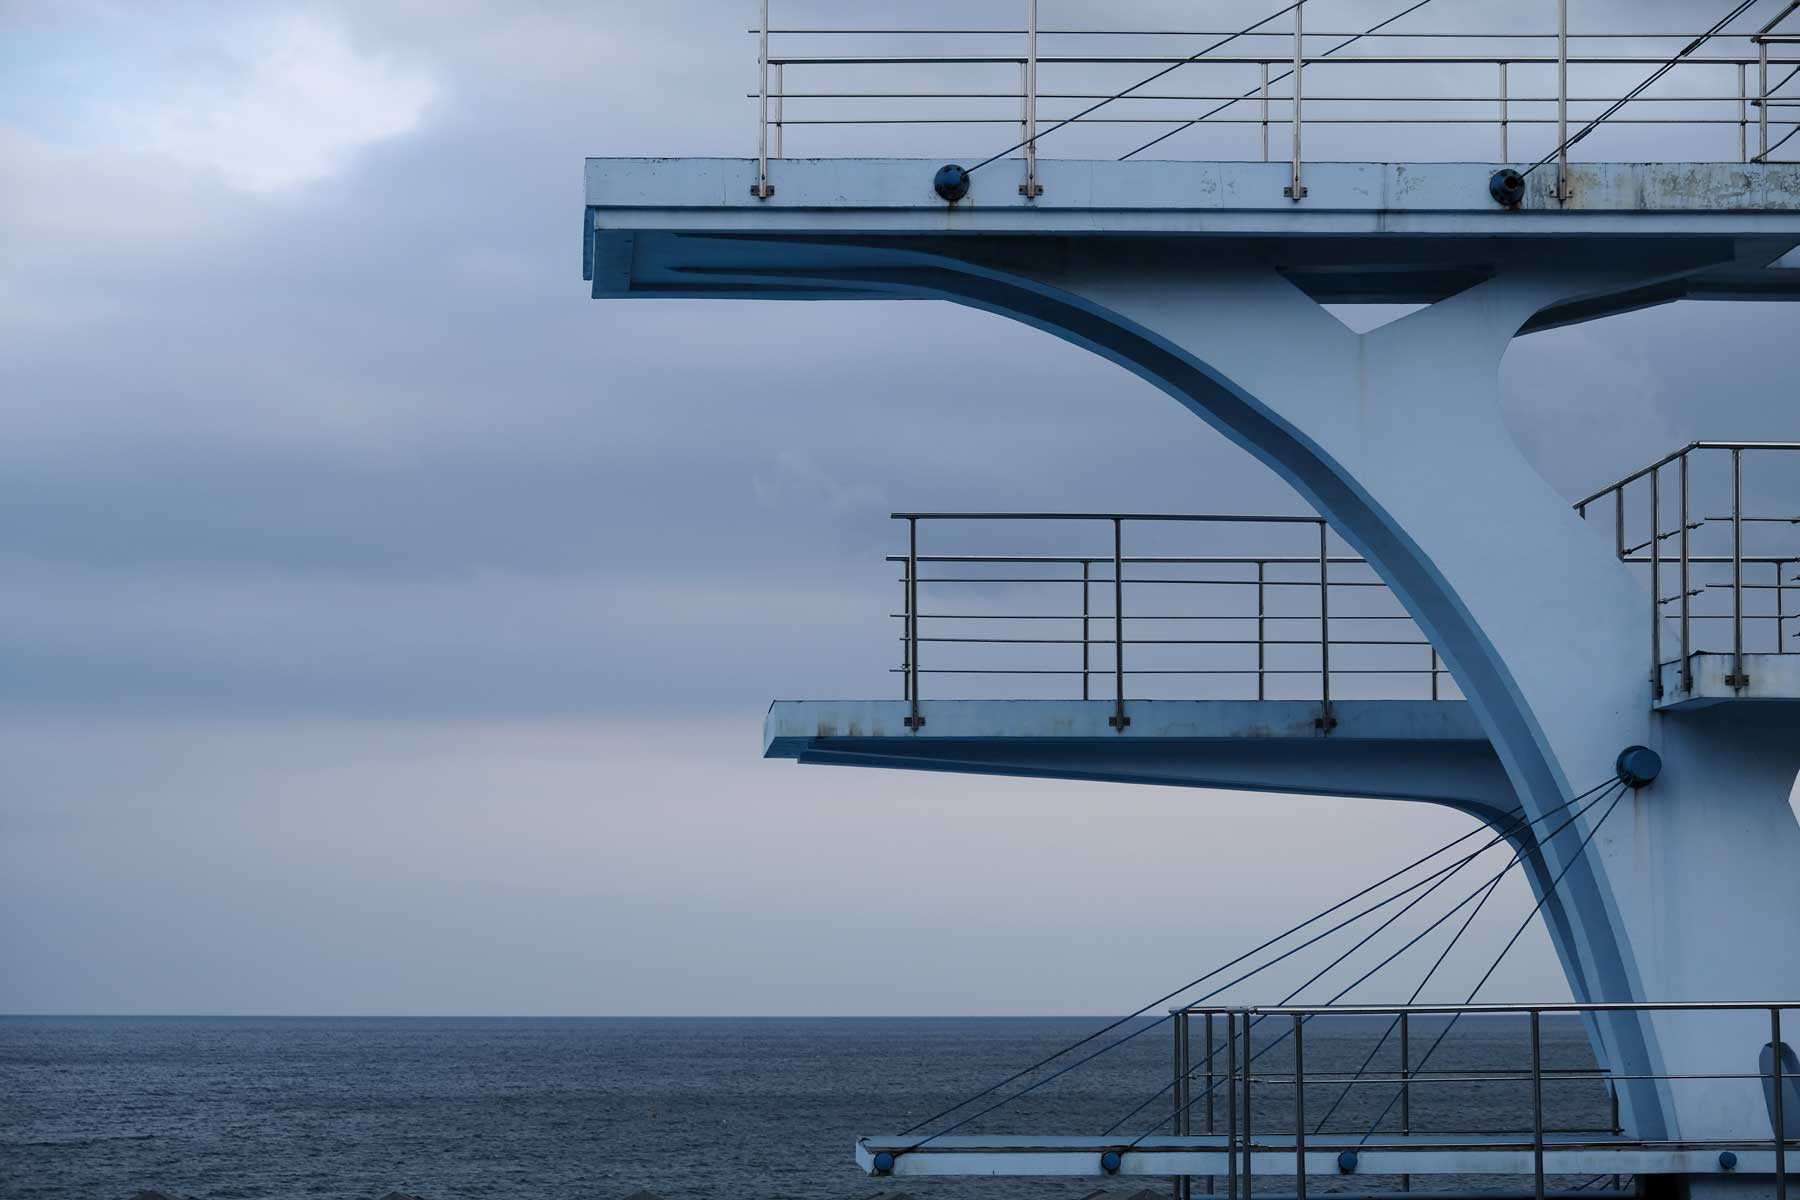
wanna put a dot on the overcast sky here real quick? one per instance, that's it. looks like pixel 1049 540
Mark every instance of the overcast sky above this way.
pixel 386 627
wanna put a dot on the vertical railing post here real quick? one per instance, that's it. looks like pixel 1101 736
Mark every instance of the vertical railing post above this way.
pixel 1778 1108
pixel 1562 100
pixel 1326 721
pixel 1177 1077
pixel 1211 1186
pixel 1656 686
pixel 1434 673
pixel 1619 520
pixel 1781 612
pixel 1299 1109
pixel 1261 630
pixel 1031 189
pixel 1762 100
pixel 915 721
pixel 1405 1088
pixel 1505 117
pixel 1738 678
pixel 1249 1176
pixel 1086 588
pixel 1025 146
pixel 1611 1087
pixel 780 100
pixel 1537 1106
pixel 1297 190
pixel 1687 662
pixel 906 607
pixel 1231 1105
pixel 1119 720
pixel 1743 114
pixel 1265 112
pixel 1184 1108
pixel 761 188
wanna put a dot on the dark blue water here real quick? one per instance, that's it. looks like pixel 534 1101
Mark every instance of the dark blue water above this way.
pixel 598 1108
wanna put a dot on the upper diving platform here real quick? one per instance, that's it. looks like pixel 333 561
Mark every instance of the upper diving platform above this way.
pixel 1370 164
pixel 1410 233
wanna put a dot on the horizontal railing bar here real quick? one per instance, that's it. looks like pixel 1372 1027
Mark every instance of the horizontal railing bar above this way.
pixel 1521 1076
pixel 1463 35
pixel 1669 458
pixel 1221 121
pixel 1725 587
pixel 1718 559
pixel 1765 520
pixel 1136 616
pixel 1099 579
pixel 1201 518
pixel 1570 1006
pixel 1607 1141
pixel 1159 559
pixel 1098 671
pixel 1149 60
pixel 1752 101
pixel 1140 641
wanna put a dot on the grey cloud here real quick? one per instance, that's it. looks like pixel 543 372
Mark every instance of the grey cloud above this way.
pixel 361 454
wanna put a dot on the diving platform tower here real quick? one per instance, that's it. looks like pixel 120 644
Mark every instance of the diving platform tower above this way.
pixel 1206 278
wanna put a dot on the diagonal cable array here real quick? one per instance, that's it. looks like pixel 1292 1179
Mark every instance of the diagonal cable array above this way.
pixel 1483 892
pixel 1253 92
pixel 1549 891
pixel 1190 59
pixel 1363 1069
pixel 1737 10
pixel 1144 82
pixel 1194 983
pixel 1430 882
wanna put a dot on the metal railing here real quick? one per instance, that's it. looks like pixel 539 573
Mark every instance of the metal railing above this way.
pixel 1011 80
pixel 1224 1075
pixel 1733 568
pixel 1162 604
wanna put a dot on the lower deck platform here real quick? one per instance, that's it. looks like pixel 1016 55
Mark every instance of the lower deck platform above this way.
pixel 1273 1156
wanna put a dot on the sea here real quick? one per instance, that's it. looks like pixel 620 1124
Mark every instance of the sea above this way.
pixel 602 1108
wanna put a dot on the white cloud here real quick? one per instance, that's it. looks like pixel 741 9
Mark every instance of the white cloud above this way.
pixel 280 104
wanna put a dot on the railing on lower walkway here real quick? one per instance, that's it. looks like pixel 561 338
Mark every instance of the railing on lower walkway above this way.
pixel 1115 606
pixel 1247 1080
pixel 1717 526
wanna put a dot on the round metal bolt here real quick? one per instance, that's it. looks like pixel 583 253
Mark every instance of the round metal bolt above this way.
pixel 1347 1163
pixel 1507 187
pixel 951 182
pixel 1727 1161
pixel 884 1162
pixel 1110 1161
pixel 1638 766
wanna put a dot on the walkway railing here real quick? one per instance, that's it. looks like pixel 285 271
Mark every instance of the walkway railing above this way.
pixel 1722 575
pixel 998 78
pixel 1242 1053
pixel 1133 606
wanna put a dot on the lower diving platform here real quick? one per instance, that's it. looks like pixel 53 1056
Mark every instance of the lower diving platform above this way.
pixel 1273 1157
pixel 1431 750
pixel 1295 1095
